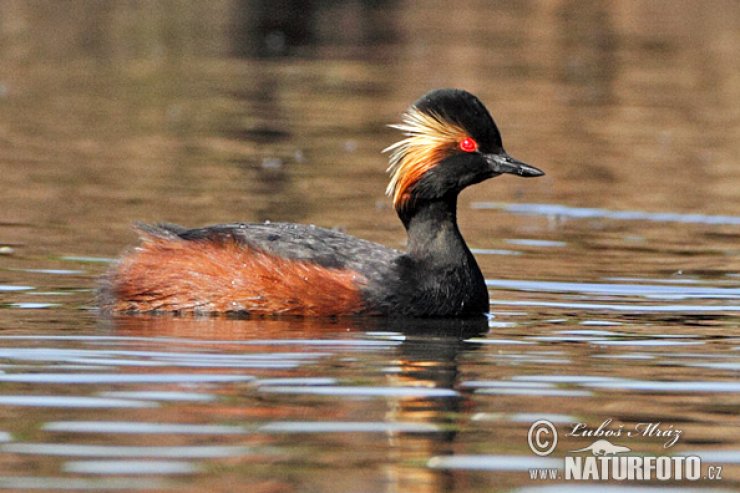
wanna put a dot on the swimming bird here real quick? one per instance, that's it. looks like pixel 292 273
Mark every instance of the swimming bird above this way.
pixel 450 142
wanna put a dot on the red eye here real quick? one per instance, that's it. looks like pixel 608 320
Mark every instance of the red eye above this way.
pixel 468 144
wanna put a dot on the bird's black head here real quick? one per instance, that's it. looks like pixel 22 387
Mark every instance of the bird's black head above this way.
pixel 451 142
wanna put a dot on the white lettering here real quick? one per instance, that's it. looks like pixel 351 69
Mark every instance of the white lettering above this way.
pixel 678 467
pixel 573 467
pixel 654 430
pixel 663 469
pixel 648 467
pixel 590 469
pixel 602 431
pixel 632 468
pixel 693 468
pixel 618 469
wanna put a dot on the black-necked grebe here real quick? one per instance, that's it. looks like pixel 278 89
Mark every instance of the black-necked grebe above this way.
pixel 450 142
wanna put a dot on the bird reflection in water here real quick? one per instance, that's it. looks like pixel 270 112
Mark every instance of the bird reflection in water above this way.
pixel 410 372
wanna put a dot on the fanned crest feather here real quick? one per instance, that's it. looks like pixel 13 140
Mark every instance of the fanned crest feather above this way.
pixel 429 139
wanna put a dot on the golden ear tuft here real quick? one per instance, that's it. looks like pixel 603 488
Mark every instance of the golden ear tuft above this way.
pixel 429 139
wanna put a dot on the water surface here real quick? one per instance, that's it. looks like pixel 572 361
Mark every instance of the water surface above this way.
pixel 614 279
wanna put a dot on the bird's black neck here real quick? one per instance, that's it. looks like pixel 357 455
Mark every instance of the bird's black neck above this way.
pixel 437 259
pixel 433 232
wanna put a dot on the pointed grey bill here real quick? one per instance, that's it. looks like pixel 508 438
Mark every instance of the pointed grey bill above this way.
pixel 503 163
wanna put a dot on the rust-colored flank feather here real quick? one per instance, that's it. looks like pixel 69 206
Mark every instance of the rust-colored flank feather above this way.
pixel 429 139
pixel 168 274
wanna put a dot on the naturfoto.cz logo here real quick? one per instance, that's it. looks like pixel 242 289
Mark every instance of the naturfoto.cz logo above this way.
pixel 605 460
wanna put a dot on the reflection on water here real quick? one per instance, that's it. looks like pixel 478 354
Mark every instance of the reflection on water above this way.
pixel 560 211
pixel 614 279
pixel 270 29
pixel 411 401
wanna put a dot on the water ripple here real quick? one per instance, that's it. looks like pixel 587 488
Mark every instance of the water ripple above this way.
pixel 8 288
pixel 620 307
pixel 161 395
pixel 589 213
pixel 65 401
pixel 134 467
pixel 347 391
pixel 83 450
pixel 348 427
pixel 493 462
pixel 659 386
pixel 639 290
pixel 114 378
pixel 24 483
pixel 134 427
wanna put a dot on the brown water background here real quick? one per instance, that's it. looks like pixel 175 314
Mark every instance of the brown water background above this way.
pixel 615 279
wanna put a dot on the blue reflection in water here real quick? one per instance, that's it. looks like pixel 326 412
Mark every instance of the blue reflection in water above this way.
pixel 589 213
